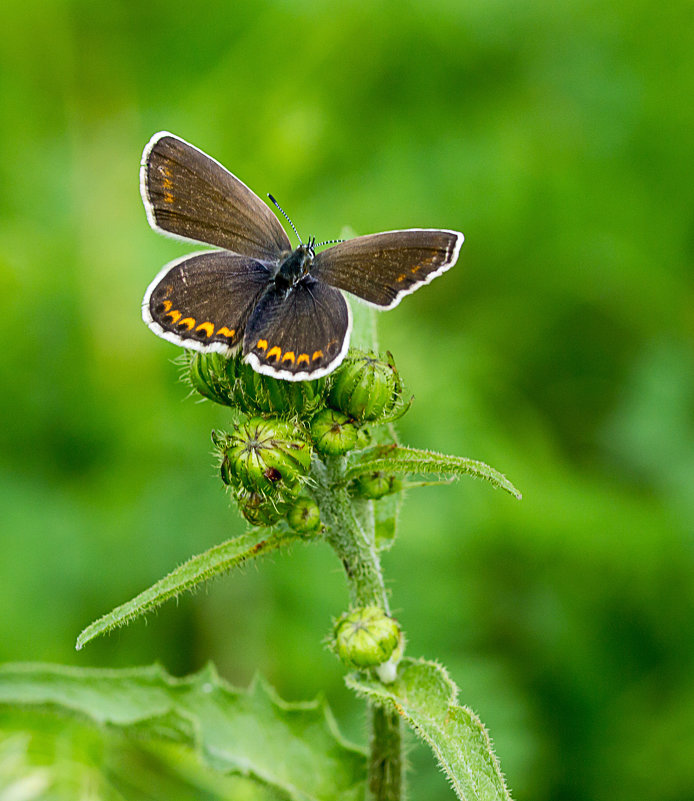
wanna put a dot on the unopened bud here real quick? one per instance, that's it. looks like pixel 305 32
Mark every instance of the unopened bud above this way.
pixel 260 509
pixel 304 516
pixel 367 637
pixel 376 485
pixel 333 432
pixel 364 387
pixel 265 456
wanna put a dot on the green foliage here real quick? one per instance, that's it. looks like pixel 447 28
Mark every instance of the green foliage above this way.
pixel 213 562
pixel 54 757
pixel 425 696
pixel 294 749
pixel 411 461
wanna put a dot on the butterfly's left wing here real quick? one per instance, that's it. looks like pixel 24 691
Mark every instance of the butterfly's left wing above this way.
pixel 382 268
pixel 203 301
pixel 189 195
pixel 300 333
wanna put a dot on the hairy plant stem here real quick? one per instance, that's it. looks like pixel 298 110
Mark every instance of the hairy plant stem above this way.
pixel 386 763
pixel 352 537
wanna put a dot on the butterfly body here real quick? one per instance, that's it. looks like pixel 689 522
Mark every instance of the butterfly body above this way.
pixel 296 266
pixel 284 307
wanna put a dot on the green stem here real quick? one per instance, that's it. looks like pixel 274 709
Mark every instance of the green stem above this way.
pixel 386 763
pixel 352 537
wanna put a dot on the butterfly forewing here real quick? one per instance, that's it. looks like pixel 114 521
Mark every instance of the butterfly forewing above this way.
pixel 188 194
pixel 204 301
pixel 382 268
pixel 300 333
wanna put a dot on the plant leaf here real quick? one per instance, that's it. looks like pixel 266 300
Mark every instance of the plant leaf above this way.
pixel 46 757
pixel 364 333
pixel 187 576
pixel 386 512
pixel 425 696
pixel 412 461
pixel 295 749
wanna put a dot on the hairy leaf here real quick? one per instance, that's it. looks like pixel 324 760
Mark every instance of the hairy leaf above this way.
pixel 187 576
pixel 295 749
pixel 425 696
pixel 412 461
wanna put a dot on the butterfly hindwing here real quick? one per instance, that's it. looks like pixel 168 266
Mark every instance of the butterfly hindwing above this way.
pixel 383 268
pixel 204 301
pixel 188 194
pixel 300 333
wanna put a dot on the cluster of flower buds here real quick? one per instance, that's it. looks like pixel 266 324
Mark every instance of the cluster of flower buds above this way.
pixel 364 388
pixel 369 638
pixel 266 459
pixel 231 382
pixel 266 462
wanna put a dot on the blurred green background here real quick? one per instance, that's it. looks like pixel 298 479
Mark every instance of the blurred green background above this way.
pixel 559 138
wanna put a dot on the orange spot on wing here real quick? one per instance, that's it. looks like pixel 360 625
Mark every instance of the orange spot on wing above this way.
pixel 189 322
pixel 167 183
pixel 262 344
pixel 288 356
pixel 174 315
pixel 274 352
pixel 208 328
pixel 400 278
pixel 168 197
pixel 317 354
pixel 226 332
pixel 302 357
pixel 167 305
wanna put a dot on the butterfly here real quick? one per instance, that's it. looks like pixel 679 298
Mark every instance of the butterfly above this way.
pixel 282 306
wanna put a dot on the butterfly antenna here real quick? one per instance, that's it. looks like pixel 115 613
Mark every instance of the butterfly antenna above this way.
pixel 329 242
pixel 286 216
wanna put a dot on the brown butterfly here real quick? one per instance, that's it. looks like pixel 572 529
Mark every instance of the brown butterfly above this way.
pixel 283 306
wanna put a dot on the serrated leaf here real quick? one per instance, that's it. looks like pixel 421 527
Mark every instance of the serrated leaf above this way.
pixel 295 749
pixel 187 576
pixel 426 697
pixel 401 460
pixel 46 757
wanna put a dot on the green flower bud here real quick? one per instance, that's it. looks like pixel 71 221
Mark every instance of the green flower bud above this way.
pixel 207 375
pixel 275 395
pixel 256 392
pixel 333 432
pixel 376 485
pixel 266 456
pixel 260 509
pixel 232 382
pixel 364 387
pixel 304 516
pixel 367 638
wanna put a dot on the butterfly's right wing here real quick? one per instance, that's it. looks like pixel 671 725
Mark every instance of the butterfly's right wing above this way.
pixel 190 195
pixel 204 301
pixel 382 268
pixel 298 334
